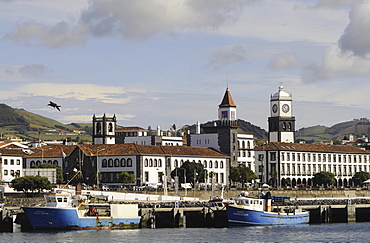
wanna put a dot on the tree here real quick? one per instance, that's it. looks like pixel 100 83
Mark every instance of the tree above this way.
pixel 127 178
pixel 59 174
pixel 31 184
pixel 359 177
pixel 241 174
pixel 194 172
pixel 324 178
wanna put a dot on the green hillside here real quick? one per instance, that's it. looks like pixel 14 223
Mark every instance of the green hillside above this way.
pixel 357 127
pixel 30 126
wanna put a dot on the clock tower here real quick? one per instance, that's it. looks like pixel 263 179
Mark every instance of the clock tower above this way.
pixel 281 122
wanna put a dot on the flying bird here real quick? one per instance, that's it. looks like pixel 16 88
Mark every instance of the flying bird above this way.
pixel 52 104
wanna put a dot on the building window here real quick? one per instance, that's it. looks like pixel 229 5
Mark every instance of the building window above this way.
pixel 221 164
pixel 129 162
pixel 104 163
pixel 32 164
pixel 110 163
pixel 159 163
pixel 38 163
pixel 116 163
pixel 205 164
pixel 18 161
pixel 155 163
pixel 288 156
pixel 146 176
pixel 210 164
pixel 5 161
pixel 150 163
pixel 273 155
pixel 55 162
pixel 216 164
pixel 282 156
pixel 5 172
pixel 176 163
pixel 123 162
pixel 298 157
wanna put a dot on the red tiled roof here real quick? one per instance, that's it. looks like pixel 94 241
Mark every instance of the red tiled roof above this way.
pixel 316 147
pixel 134 149
pixel 52 151
pixel 227 100
pixel 12 152
pixel 130 129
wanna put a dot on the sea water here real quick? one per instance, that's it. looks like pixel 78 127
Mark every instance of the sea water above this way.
pixel 341 232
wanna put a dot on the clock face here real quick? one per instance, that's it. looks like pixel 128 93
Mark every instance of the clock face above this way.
pixel 274 108
pixel 285 108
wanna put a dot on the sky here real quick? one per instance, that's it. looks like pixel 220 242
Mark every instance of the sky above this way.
pixel 164 62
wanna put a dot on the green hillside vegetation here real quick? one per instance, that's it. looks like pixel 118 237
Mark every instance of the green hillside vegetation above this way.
pixel 357 127
pixel 244 128
pixel 30 126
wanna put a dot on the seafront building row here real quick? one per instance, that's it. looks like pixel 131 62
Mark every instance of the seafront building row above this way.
pixel 218 146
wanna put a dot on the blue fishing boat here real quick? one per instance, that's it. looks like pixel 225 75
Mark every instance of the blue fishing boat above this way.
pixel 62 212
pixel 260 211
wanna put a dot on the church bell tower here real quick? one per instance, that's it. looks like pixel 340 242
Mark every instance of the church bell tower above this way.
pixel 104 130
pixel 281 122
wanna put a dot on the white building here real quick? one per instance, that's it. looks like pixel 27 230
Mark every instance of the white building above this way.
pixel 147 162
pixel 140 136
pixel 276 162
pixel 11 164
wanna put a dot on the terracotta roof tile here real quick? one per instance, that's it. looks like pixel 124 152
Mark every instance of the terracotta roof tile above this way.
pixel 52 151
pixel 316 147
pixel 130 129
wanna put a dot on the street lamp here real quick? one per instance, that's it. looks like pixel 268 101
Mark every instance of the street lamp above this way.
pixel 97 166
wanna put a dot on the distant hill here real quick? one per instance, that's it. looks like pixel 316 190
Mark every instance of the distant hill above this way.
pixel 244 128
pixel 357 127
pixel 27 125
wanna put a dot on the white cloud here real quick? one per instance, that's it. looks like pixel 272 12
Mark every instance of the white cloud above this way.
pixel 356 37
pixel 134 20
pixel 351 56
pixel 283 61
pixel 234 55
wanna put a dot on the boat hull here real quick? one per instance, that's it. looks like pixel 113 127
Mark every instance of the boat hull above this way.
pixel 237 215
pixel 49 218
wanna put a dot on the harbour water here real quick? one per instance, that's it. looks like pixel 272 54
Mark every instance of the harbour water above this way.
pixel 342 232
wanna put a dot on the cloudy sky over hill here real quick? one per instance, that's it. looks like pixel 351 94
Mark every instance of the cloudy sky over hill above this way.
pixel 160 62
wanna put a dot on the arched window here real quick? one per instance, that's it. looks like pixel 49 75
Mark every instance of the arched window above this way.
pixel 243 144
pixel 129 162
pixel 38 163
pixel 210 164
pixel 116 163
pixel 32 164
pixel 110 163
pixel 216 164
pixel 104 163
pixel 151 163
pixel 50 162
pixel 221 164
pixel 176 163
pixel 249 144
pixel 110 127
pixel 159 163
pixel 55 162
pixel 146 163
pixel 205 164
pixel 98 128
pixel 123 163
pixel 155 163
pixel 181 162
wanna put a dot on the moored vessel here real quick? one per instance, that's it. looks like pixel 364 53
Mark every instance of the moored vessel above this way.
pixel 63 212
pixel 260 211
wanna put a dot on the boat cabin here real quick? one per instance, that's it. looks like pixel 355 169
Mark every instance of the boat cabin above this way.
pixel 58 199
